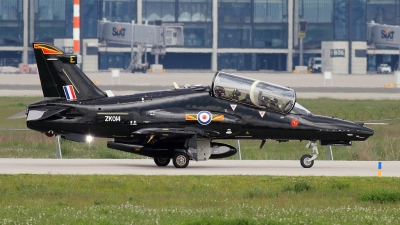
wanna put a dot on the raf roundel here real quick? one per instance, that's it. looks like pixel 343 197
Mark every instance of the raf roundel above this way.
pixel 204 117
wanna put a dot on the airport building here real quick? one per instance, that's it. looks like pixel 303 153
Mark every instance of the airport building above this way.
pixel 218 34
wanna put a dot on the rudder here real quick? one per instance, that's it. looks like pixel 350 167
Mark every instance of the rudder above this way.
pixel 60 77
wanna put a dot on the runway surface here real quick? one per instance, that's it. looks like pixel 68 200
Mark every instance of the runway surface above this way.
pixel 212 167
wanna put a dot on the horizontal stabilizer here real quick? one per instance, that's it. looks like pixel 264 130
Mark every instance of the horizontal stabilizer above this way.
pixel 19 115
pixel 41 115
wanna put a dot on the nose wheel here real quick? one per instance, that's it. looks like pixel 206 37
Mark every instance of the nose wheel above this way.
pixel 307 161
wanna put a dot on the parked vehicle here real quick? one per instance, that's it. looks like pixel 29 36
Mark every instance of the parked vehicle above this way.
pixel 315 64
pixel 384 68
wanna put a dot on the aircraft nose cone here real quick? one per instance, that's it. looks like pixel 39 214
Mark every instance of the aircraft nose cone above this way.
pixel 367 131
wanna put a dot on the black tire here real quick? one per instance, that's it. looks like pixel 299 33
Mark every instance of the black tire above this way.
pixel 304 161
pixel 162 161
pixel 181 160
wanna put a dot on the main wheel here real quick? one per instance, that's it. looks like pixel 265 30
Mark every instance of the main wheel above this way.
pixel 306 162
pixel 181 160
pixel 162 161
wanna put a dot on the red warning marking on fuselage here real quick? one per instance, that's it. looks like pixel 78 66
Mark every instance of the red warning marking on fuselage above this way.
pixel 294 123
pixel 262 113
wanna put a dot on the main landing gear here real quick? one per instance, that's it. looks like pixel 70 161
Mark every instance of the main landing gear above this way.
pixel 307 161
pixel 180 160
pixel 162 161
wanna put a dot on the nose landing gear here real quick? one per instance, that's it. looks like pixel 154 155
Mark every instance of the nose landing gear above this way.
pixel 307 161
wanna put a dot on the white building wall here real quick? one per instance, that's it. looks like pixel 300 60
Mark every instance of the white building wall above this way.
pixel 358 64
pixel 336 65
pixel 89 62
pixel 65 44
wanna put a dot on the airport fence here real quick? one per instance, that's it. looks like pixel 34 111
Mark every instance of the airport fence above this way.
pixel 386 114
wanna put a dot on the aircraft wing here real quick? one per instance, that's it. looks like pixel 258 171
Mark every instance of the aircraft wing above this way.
pixel 156 142
pixel 175 132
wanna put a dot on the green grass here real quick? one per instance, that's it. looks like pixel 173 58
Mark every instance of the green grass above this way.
pixel 12 105
pixel 54 199
pixel 381 146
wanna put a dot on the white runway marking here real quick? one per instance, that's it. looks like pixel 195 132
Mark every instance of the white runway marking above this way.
pixel 212 167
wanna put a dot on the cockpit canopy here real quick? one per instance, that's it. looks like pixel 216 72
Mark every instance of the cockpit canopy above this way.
pixel 252 92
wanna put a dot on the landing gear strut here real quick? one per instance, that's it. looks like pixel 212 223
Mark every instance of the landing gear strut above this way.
pixel 307 161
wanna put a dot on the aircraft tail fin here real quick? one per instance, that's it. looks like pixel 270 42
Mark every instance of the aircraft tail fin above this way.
pixel 60 77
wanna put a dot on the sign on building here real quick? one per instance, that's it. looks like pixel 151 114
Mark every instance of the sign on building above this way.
pixel 338 53
pixel 68 50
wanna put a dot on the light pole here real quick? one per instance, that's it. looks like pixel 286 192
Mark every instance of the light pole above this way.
pixel 302 35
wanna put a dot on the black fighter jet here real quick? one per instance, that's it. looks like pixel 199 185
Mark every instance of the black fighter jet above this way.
pixel 181 124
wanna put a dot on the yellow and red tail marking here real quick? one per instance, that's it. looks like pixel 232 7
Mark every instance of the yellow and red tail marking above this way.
pixel 48 50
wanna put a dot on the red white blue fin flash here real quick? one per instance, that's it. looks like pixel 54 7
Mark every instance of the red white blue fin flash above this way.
pixel 69 92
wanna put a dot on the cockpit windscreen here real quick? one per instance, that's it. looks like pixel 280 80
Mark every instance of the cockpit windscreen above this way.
pixel 300 110
pixel 252 92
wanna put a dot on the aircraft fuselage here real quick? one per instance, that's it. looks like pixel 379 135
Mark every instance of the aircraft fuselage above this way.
pixel 119 117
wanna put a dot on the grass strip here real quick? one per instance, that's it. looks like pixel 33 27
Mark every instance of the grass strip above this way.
pixel 127 199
